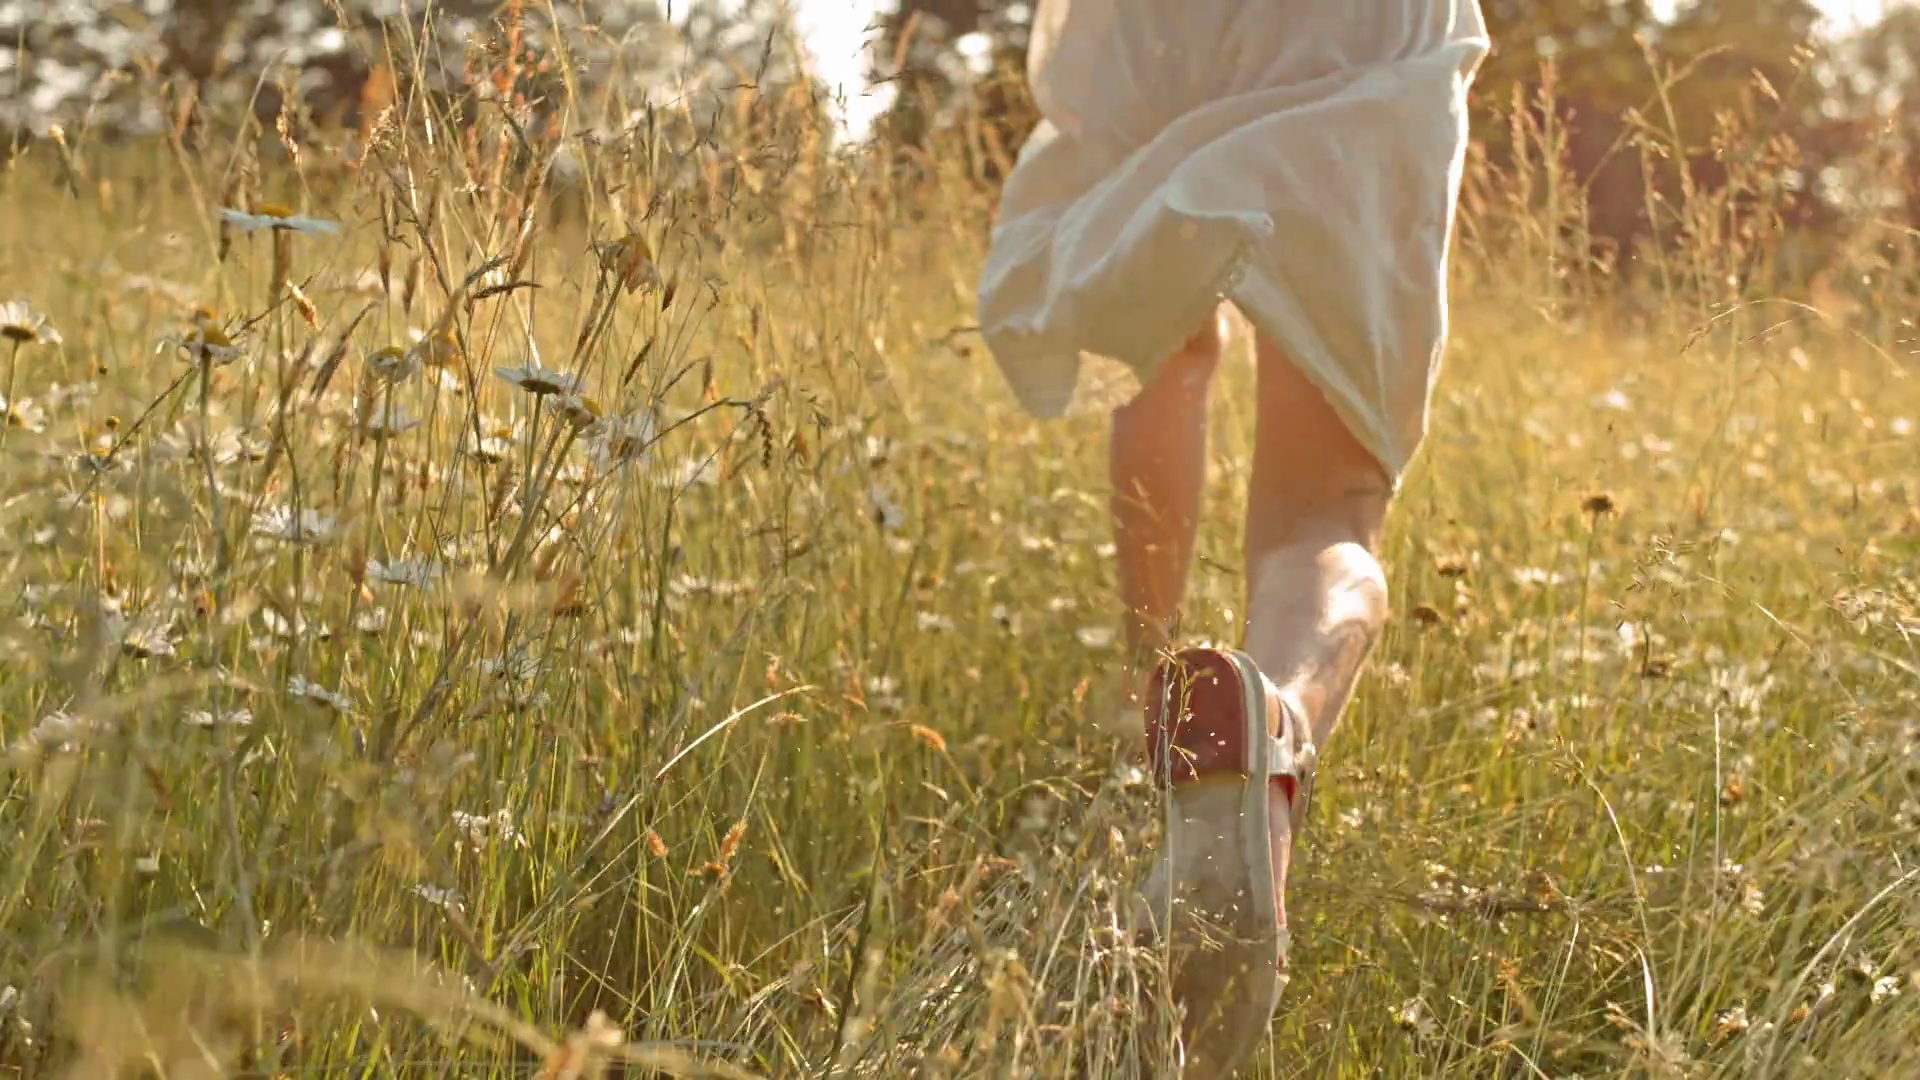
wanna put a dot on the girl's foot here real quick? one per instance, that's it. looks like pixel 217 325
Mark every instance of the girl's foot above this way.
pixel 1237 764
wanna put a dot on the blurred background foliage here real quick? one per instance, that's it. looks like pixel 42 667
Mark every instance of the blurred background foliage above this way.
pixel 1618 89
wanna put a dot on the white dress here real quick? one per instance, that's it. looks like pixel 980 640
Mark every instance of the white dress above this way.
pixel 1301 158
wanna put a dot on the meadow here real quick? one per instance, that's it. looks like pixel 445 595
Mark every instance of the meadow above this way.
pixel 600 609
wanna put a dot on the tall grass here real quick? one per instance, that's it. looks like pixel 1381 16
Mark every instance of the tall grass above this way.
pixel 371 718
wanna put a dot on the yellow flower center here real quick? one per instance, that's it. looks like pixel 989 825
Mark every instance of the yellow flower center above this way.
pixel 272 210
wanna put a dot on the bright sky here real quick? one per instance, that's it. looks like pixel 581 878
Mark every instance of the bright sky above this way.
pixel 837 32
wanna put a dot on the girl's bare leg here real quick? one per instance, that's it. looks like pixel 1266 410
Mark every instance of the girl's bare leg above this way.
pixel 1316 601
pixel 1157 465
pixel 1316 596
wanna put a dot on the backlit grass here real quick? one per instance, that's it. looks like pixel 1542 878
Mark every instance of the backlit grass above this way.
pixel 717 668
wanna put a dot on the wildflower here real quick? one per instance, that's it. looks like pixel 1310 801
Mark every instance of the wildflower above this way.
pixel 24 414
pixel 148 639
pixel 392 363
pixel 495 445
pixel 630 261
pixel 1887 986
pixel 22 325
pixel 482 829
pixel 699 470
pixel 209 340
pixel 446 899
pixel 539 380
pixel 1006 619
pixel 932 623
pixel 1733 791
pixel 437 348
pixel 885 512
pixel 1411 1016
pixel 1729 1023
pixel 390 419
pixel 58 730
pixel 290 628
pixel 304 527
pixel 578 410
pixel 404 571
pixel 622 440
pixel 516 666
pixel 279 218
pixel 1096 637
pixel 300 688
pixel 202 718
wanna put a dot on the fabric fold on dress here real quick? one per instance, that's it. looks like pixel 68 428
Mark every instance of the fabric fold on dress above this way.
pixel 1300 158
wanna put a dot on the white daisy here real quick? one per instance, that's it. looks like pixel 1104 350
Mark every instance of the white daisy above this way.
pixel 24 414
pixel 57 731
pixel 390 419
pixel 482 829
pixel 539 380
pixel 279 219
pixel 405 571
pixel 293 628
pixel 883 510
pixel 209 340
pixel 516 666
pixel 1096 637
pixel 435 349
pixel 301 688
pixel 202 718
pixel 496 443
pixel 149 639
pixel 578 410
pixel 393 363
pixel 306 527
pixel 22 325
pixel 621 440
pixel 439 897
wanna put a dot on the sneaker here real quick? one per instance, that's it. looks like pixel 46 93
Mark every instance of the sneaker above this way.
pixel 1219 735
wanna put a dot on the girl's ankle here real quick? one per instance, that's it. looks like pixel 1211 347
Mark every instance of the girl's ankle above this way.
pixel 1146 640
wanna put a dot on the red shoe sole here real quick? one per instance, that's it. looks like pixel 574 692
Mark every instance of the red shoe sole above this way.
pixel 1205 694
